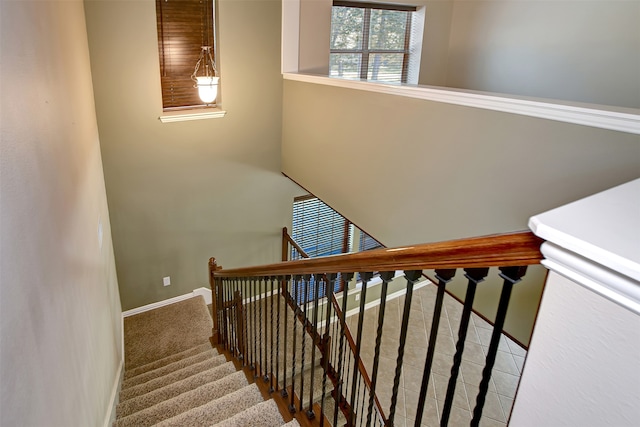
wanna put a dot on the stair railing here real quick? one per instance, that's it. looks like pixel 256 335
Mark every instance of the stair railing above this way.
pixel 247 299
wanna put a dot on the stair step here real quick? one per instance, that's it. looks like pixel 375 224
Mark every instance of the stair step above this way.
pixel 264 414
pixel 292 423
pixel 167 369
pixel 169 391
pixel 178 375
pixel 217 410
pixel 184 402
pixel 167 360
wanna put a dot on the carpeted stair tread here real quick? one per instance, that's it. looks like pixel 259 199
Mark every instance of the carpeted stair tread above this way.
pixel 184 402
pixel 158 333
pixel 133 372
pixel 292 423
pixel 217 410
pixel 178 375
pixel 167 369
pixel 169 391
pixel 264 414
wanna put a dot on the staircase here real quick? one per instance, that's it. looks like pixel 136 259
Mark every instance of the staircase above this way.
pixel 173 377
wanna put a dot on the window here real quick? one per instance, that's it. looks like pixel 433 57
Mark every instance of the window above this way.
pixel 184 26
pixel 321 231
pixel 374 41
pixel 318 229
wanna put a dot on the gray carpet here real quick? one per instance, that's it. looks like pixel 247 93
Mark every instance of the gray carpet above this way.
pixel 167 330
pixel 174 378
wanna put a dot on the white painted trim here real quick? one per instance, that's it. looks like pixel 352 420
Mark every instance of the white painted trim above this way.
pixel 616 287
pixel 205 292
pixel 183 116
pixel 290 37
pixel 114 392
pixel 581 114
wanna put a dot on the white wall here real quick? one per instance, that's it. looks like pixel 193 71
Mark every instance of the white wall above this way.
pixel 60 316
pixel 582 367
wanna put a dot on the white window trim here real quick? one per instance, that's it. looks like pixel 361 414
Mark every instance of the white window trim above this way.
pixel 618 119
pixel 194 114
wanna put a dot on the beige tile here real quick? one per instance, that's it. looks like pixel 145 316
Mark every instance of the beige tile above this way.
pixel 446 345
pixel 472 375
pixel 519 360
pixel 480 322
pixel 505 363
pixel 516 349
pixel 442 364
pixel 506 384
pixel 413 381
pixel 459 417
pixel 429 413
pixel 488 422
pixel 441 383
pixel 507 405
pixel 492 407
pixel 473 353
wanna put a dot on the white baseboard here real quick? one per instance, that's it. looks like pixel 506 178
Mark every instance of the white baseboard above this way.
pixel 110 416
pixel 204 292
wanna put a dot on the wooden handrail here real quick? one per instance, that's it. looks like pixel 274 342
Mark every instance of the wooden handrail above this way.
pixel 287 238
pixel 499 250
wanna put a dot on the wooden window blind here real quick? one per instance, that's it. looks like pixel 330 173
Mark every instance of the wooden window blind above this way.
pixel 184 26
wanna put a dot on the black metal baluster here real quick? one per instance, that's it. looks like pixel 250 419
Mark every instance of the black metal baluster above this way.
pixel 366 276
pixel 338 393
pixel 251 328
pixel 444 276
pixel 265 374
pixel 245 312
pixel 386 277
pixel 285 294
pixel 261 327
pixel 304 336
pixel 255 293
pixel 511 276
pixel 475 276
pixel 247 322
pixel 227 341
pixel 296 279
pixel 412 277
pixel 327 347
pixel 234 315
pixel 317 282
pixel 271 387
pixel 280 296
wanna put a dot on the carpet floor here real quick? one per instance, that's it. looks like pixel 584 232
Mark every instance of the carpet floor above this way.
pixel 174 378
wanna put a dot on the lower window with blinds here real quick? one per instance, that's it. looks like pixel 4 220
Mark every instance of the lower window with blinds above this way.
pixel 321 231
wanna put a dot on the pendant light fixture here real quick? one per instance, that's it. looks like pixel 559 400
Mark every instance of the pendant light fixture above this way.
pixel 208 79
pixel 207 82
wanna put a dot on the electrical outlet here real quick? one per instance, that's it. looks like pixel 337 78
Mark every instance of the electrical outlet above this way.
pixel 358 296
pixel 166 281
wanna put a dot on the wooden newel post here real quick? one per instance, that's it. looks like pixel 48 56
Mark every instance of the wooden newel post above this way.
pixel 215 332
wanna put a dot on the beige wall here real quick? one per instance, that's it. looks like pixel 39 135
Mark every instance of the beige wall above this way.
pixel 59 305
pixel 584 51
pixel 430 171
pixel 180 193
pixel 587 51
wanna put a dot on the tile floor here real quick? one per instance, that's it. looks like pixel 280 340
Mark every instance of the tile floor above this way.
pixel 504 380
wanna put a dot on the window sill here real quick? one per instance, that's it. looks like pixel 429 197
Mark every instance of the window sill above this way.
pixel 188 115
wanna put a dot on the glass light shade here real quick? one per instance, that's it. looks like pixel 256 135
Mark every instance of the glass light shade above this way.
pixel 208 88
